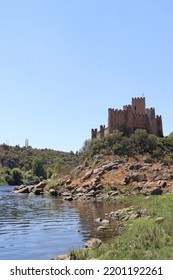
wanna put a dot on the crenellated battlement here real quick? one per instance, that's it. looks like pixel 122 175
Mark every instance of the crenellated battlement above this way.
pixel 127 107
pixel 138 98
pixel 119 111
pixel 130 118
pixel 115 110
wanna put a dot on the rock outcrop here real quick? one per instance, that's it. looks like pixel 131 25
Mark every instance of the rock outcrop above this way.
pixel 108 177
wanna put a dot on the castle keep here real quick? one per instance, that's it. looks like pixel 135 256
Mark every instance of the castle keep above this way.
pixel 130 118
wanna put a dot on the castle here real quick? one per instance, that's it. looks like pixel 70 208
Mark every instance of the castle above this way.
pixel 130 118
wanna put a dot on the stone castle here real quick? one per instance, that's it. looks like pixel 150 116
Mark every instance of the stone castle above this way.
pixel 130 118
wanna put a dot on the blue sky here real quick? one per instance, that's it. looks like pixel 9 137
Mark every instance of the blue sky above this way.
pixel 64 63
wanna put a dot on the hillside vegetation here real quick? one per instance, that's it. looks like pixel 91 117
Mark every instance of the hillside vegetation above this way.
pixel 21 165
pixel 140 143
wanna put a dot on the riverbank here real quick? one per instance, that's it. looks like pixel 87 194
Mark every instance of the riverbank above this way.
pixel 146 232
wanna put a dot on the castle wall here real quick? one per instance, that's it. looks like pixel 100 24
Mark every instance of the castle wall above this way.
pixel 106 132
pixel 102 130
pixel 116 120
pixel 140 121
pixel 151 113
pixel 157 128
pixel 101 133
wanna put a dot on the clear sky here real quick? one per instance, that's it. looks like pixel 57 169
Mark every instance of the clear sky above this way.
pixel 63 63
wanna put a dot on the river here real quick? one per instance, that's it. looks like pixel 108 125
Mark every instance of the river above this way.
pixel 41 227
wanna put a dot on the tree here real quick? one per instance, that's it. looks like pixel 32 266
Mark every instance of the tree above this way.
pixel 59 165
pixel 14 177
pixel 17 177
pixel 38 167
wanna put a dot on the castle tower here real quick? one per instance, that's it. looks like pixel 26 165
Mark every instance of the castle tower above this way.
pixel 138 105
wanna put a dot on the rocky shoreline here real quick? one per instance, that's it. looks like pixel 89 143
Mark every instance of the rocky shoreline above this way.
pixel 107 179
pixel 121 215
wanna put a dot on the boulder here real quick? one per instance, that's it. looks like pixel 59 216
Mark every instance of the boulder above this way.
pixel 105 222
pixel 17 188
pixel 98 220
pixel 37 191
pixel 162 184
pixel 66 194
pixel 126 180
pixel 53 192
pixel 138 177
pixel 113 193
pixel 155 191
pixel 135 166
pixel 80 189
pixel 68 198
pixel 22 190
pixel 98 170
pixel 113 188
pixel 41 185
pixel 110 166
pixel 61 182
pixel 68 181
pixel 104 228
pixel 159 220
pixel 87 175
pixel 70 187
pixel 93 243
pixel 99 187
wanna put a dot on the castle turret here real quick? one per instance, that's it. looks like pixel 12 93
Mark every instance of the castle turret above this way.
pixel 93 133
pixel 102 131
pixel 138 105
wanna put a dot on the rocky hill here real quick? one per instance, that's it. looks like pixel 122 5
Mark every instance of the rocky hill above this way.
pixel 108 177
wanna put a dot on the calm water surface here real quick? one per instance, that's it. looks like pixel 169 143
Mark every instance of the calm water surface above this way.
pixel 40 227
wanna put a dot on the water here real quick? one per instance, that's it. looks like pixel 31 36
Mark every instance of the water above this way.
pixel 41 227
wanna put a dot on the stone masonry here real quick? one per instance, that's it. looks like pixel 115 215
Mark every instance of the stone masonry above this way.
pixel 130 118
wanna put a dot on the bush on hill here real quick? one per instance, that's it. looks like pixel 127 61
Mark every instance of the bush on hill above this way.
pixel 139 143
